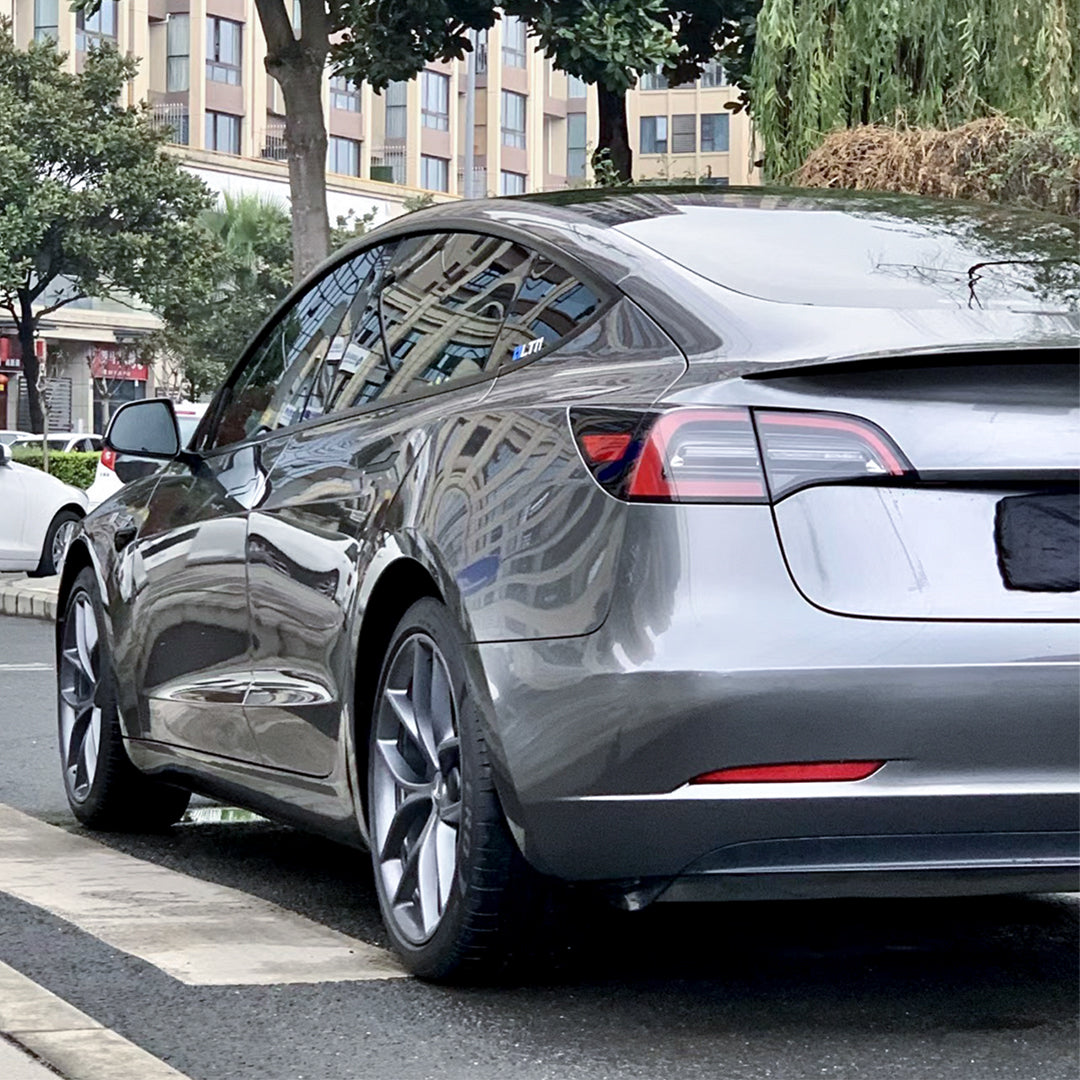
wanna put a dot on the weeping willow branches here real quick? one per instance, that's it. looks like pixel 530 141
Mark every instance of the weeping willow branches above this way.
pixel 821 65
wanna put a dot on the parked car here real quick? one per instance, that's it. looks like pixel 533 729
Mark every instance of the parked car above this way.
pixel 703 544
pixel 7 437
pixel 113 472
pixel 82 441
pixel 39 517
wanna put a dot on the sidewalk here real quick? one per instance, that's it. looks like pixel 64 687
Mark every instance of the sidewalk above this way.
pixel 17 1064
pixel 34 598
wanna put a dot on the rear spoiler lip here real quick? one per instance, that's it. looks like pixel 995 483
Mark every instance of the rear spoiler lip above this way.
pixel 1067 351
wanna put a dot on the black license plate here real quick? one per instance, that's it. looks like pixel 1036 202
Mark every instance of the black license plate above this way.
pixel 1038 542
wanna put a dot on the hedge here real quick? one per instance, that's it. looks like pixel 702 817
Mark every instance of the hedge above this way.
pixel 75 467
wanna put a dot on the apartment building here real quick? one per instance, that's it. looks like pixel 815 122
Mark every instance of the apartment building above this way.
pixel 203 75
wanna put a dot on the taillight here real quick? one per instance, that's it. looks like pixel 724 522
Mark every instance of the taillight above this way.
pixel 728 455
pixel 803 448
pixel 108 458
pixel 800 772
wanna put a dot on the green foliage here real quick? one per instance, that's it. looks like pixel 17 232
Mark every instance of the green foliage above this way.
pixel 417 202
pixel 351 226
pixel 74 467
pixel 204 338
pixel 823 65
pixel 90 204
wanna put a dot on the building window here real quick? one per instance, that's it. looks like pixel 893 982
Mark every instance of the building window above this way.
pixel 513 49
pixel 223 50
pixel 511 183
pixel 435 100
pixel 46 20
pixel 344 94
pixel 513 119
pixel 434 173
pixel 575 87
pixel 343 156
pixel 713 74
pixel 684 134
pixel 575 146
pixel 714 133
pixel 481 52
pixel 653 135
pixel 91 31
pixel 178 53
pixel 223 132
pixel 653 80
pixel 397 110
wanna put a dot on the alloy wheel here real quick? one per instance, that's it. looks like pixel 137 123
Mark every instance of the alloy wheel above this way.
pixel 416 788
pixel 80 713
pixel 60 543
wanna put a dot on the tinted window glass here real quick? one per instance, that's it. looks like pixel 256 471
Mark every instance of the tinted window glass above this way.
pixel 271 389
pixel 550 304
pixel 354 369
pixel 441 311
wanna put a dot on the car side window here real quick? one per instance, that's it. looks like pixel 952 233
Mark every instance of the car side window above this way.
pixel 550 304
pixel 271 390
pixel 442 303
pixel 355 361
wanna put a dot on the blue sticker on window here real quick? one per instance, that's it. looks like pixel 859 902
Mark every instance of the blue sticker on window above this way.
pixel 528 349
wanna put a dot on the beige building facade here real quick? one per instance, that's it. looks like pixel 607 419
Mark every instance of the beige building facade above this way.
pixel 203 76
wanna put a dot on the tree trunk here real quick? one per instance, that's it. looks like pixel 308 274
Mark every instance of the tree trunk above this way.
pixel 305 140
pixel 30 365
pixel 614 134
pixel 298 64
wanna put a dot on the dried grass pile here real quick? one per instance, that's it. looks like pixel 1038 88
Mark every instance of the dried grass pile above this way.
pixel 991 160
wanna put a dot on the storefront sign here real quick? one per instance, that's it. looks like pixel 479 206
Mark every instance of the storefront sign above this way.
pixel 105 365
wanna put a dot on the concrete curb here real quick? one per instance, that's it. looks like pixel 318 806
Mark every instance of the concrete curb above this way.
pixel 30 598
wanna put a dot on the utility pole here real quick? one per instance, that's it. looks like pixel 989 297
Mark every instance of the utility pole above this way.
pixel 470 118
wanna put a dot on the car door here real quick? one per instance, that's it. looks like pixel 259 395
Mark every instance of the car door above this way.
pixel 190 642
pixel 414 346
pixel 15 553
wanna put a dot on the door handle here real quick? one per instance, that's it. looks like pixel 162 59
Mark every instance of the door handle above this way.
pixel 124 533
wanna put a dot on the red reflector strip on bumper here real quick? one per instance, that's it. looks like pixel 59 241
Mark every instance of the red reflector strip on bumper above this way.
pixel 793 773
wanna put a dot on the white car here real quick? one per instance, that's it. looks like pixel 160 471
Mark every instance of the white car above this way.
pixel 62 440
pixel 8 436
pixel 107 482
pixel 39 518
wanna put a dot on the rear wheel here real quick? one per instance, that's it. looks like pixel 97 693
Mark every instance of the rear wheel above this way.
pixel 57 540
pixel 104 790
pixel 449 878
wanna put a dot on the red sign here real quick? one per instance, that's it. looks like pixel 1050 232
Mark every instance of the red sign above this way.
pixel 105 365
pixel 9 354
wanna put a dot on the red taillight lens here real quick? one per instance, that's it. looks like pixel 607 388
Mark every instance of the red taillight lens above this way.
pixel 716 455
pixel 108 458
pixel 792 773
pixel 803 448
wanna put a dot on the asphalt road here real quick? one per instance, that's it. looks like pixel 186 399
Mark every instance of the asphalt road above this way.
pixel 973 989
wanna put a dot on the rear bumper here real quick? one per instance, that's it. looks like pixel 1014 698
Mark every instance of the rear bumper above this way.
pixel 712 659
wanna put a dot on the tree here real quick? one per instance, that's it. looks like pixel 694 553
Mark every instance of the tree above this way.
pixel 825 65
pixel 253 273
pixel 90 205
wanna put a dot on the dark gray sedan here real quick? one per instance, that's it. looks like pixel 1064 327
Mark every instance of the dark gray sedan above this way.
pixel 699 544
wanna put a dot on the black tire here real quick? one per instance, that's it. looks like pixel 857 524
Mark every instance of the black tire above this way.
pixel 107 793
pixel 478 930
pixel 48 564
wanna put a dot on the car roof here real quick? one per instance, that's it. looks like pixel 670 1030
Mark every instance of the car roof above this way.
pixel 703 260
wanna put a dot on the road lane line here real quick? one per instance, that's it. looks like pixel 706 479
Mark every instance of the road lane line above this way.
pixel 30 666
pixel 198 932
pixel 69 1041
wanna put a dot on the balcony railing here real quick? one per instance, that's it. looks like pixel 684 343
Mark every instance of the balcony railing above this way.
pixel 173 119
pixel 388 164
pixel 273 142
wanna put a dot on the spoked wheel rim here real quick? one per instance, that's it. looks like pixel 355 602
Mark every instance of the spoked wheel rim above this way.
pixel 80 713
pixel 60 542
pixel 416 788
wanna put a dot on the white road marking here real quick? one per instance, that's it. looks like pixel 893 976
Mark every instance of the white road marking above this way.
pixel 72 1043
pixel 31 666
pixel 200 933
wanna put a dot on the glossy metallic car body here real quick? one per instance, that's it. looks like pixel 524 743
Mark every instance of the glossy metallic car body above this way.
pixel 621 649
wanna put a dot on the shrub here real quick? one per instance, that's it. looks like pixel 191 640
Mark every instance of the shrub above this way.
pixel 75 467
pixel 993 160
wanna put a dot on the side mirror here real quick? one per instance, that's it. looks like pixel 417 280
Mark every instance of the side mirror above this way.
pixel 145 428
pixel 5 454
